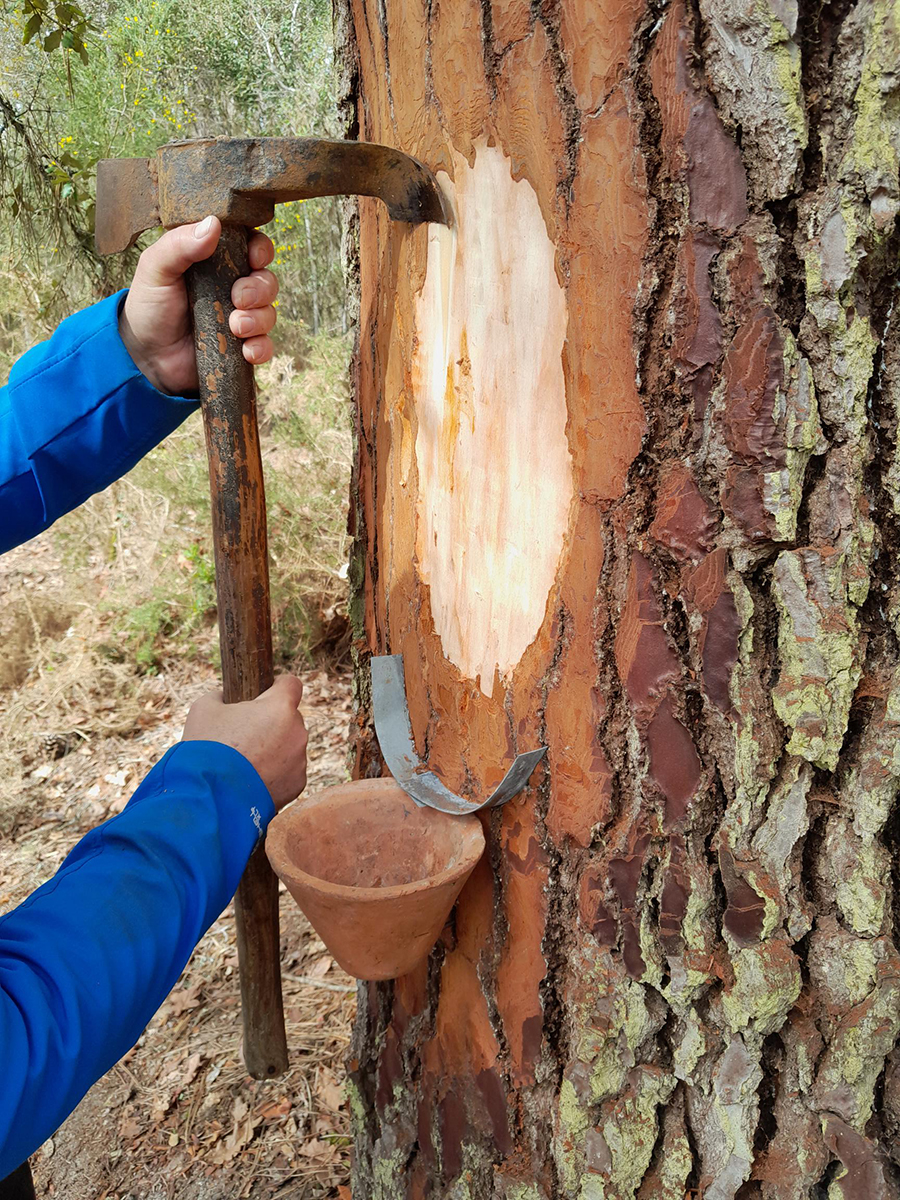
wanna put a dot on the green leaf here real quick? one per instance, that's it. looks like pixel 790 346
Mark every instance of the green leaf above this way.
pixel 67 190
pixel 33 27
pixel 81 50
pixel 68 40
pixel 52 40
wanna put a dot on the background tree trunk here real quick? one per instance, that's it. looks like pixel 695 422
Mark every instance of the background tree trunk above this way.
pixel 627 485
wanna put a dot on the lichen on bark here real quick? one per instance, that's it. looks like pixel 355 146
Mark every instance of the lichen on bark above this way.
pixel 754 60
pixel 819 651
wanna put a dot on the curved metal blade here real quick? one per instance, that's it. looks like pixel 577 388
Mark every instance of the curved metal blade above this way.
pixel 398 749
pixel 302 168
pixel 127 202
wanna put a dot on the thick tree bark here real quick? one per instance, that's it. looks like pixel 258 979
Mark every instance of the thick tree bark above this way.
pixel 628 485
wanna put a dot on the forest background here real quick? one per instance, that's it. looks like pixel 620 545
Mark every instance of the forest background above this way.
pixel 120 81
pixel 107 621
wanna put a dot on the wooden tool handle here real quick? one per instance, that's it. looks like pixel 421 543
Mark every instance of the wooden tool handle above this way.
pixel 228 398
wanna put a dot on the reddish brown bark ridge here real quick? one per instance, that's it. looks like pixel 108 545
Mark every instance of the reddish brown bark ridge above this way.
pixel 627 486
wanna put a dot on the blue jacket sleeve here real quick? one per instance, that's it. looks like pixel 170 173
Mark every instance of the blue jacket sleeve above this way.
pixel 90 956
pixel 75 415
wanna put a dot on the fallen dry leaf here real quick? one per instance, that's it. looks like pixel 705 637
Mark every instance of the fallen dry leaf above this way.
pixel 159 1108
pixel 180 1001
pixel 329 1091
pixel 320 1151
pixel 129 1128
pixel 188 1073
pixel 241 1134
pixel 275 1108
pixel 174 1084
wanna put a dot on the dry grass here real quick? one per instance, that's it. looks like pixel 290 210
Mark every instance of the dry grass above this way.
pixel 61 692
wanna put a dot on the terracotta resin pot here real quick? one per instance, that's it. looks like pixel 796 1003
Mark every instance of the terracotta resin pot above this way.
pixel 375 874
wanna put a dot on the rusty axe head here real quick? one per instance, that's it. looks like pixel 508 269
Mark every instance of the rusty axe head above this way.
pixel 240 180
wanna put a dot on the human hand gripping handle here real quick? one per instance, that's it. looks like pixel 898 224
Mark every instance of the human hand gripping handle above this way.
pixel 269 731
pixel 155 323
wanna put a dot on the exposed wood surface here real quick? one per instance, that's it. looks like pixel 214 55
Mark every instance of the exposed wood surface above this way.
pixel 494 469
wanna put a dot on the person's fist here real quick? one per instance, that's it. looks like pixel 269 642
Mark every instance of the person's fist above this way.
pixel 269 731
pixel 155 322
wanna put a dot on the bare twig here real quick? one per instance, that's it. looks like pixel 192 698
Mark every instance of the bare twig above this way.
pixel 308 981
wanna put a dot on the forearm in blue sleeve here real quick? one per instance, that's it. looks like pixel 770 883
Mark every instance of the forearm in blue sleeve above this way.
pixel 90 956
pixel 75 415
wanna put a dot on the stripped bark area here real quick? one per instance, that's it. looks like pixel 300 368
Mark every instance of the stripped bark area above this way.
pixel 628 485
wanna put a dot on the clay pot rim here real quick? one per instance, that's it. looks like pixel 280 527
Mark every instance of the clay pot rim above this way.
pixel 287 871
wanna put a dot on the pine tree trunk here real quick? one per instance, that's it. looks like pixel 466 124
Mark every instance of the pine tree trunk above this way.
pixel 628 486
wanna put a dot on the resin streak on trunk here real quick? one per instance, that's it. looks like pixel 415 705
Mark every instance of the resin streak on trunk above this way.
pixel 628 486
